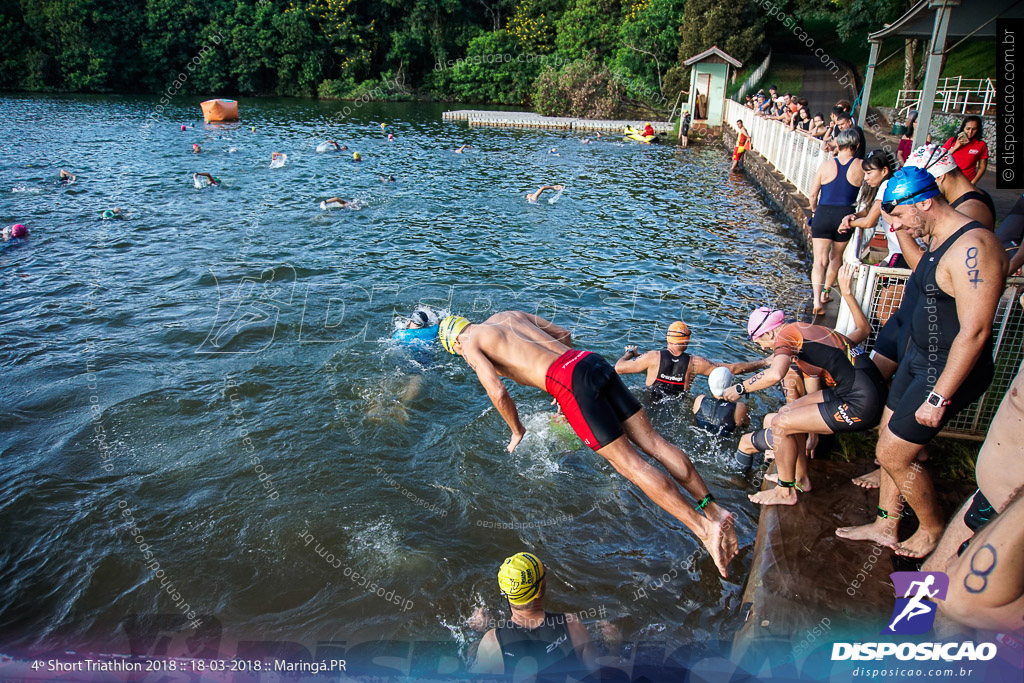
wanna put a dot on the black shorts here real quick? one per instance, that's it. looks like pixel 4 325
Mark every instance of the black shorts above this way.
pixel 858 407
pixel 592 395
pixel 826 222
pixel 887 343
pixel 914 381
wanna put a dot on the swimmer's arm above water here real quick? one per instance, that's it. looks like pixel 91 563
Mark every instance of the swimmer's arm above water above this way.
pixel 633 361
pixel 764 379
pixel 497 392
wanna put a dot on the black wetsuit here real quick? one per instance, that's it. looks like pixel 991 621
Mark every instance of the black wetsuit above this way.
pixel 981 196
pixel 547 649
pixel 934 324
pixel 716 415
pixel 671 379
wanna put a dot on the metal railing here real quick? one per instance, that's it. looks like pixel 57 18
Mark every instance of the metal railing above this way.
pixel 754 78
pixel 953 96
pixel 880 291
pixel 794 155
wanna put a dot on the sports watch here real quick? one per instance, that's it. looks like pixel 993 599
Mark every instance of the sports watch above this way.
pixel 740 389
pixel 937 400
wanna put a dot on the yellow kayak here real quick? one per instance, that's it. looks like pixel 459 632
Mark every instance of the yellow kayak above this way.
pixel 633 134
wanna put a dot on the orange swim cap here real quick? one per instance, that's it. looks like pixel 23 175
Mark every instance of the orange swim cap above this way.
pixel 678 333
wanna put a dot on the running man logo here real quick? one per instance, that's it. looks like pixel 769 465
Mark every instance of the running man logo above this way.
pixel 916 592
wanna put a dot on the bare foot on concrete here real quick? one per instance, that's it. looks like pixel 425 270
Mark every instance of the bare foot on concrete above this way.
pixel 871 480
pixel 920 545
pixel 874 533
pixel 804 484
pixel 776 496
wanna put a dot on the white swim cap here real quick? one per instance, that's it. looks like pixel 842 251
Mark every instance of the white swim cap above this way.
pixel 719 380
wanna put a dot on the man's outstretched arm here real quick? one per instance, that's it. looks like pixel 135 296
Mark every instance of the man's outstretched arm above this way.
pixel 498 394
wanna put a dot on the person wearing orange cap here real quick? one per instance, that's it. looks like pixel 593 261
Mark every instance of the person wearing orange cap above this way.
pixel 670 372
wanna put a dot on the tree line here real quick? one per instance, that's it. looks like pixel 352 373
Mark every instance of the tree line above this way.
pixel 561 56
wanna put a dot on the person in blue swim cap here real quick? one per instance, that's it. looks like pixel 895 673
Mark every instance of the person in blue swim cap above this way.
pixel 955 291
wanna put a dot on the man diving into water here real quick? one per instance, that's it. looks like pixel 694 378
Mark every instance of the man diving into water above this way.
pixel 535 352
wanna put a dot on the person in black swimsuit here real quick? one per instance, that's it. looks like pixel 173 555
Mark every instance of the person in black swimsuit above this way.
pixel 851 401
pixel 948 364
pixel 717 415
pixel 671 371
pixel 838 180
pixel 551 646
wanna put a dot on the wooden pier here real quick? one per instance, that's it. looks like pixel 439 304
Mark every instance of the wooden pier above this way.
pixel 529 119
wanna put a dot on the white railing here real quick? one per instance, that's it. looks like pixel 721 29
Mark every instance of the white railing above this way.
pixel 754 78
pixel 953 95
pixel 794 155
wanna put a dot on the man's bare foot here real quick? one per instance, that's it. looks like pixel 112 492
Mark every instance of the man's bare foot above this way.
pixel 871 480
pixel 721 541
pixel 875 533
pixel 804 484
pixel 920 545
pixel 777 496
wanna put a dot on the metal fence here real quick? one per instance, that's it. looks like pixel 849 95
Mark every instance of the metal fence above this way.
pixel 880 291
pixel 754 78
pixel 794 155
pixel 954 96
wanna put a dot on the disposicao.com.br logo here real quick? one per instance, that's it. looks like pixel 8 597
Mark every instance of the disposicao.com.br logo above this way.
pixel 914 614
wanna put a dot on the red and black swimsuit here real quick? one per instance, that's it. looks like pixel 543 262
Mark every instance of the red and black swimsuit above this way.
pixel 592 396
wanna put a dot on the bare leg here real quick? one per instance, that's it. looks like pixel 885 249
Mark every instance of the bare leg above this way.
pixel 898 457
pixel 716 531
pixel 820 248
pixel 886 366
pixel 880 530
pixel 835 260
pixel 1000 467
pixel 797 420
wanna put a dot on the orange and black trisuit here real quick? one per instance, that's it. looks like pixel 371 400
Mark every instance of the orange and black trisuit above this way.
pixel 854 390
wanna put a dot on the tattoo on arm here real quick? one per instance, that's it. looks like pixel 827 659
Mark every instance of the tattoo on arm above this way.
pixel 983 562
pixel 972 266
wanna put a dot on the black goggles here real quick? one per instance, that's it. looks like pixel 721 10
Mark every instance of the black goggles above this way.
pixel 757 329
pixel 893 203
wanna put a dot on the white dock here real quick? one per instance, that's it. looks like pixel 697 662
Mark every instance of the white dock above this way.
pixel 529 119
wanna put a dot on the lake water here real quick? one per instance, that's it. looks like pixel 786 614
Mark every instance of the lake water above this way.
pixel 148 361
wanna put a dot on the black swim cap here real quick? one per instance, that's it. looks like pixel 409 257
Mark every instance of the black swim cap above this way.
pixel 420 318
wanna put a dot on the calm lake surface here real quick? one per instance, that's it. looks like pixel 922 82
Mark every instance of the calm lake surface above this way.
pixel 148 361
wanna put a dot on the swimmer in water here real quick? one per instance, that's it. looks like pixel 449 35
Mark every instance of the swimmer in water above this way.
pixel 196 149
pixel 585 141
pixel 66 177
pixel 278 155
pixel 537 353
pixel 112 213
pixel 16 231
pixel 337 148
pixel 213 180
pixel 532 197
pixel 356 157
pixel 336 200
pixel 554 150
pixel 463 148
pixel 391 136
pixel 387 179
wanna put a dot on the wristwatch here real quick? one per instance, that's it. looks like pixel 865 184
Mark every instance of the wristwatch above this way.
pixel 740 389
pixel 937 400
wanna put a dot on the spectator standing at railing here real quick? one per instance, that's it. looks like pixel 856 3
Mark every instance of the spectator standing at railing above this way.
pixel 818 127
pixel 969 149
pixel 832 198
pixel 961 194
pixel 802 121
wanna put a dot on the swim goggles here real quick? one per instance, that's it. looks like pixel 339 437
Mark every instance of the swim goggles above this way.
pixel 758 328
pixel 893 203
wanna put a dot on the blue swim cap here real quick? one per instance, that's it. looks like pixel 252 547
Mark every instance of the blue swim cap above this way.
pixel 909 183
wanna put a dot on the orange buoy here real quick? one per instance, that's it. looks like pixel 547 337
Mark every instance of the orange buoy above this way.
pixel 220 110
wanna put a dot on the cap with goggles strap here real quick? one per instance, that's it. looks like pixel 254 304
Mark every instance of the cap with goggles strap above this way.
pixel 908 183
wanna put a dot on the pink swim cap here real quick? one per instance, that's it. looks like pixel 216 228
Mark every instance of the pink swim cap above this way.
pixel 764 320
pixel 183 126
pixel 19 230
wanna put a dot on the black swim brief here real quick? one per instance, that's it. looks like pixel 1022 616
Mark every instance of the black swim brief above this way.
pixel 592 395
pixel 914 381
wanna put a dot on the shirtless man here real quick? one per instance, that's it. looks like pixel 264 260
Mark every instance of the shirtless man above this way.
pixel 532 197
pixel 535 352
pixel 957 286
pixel 671 371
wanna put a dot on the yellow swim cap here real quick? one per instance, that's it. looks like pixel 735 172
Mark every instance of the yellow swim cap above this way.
pixel 356 155
pixel 449 331
pixel 520 578
pixel 678 332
